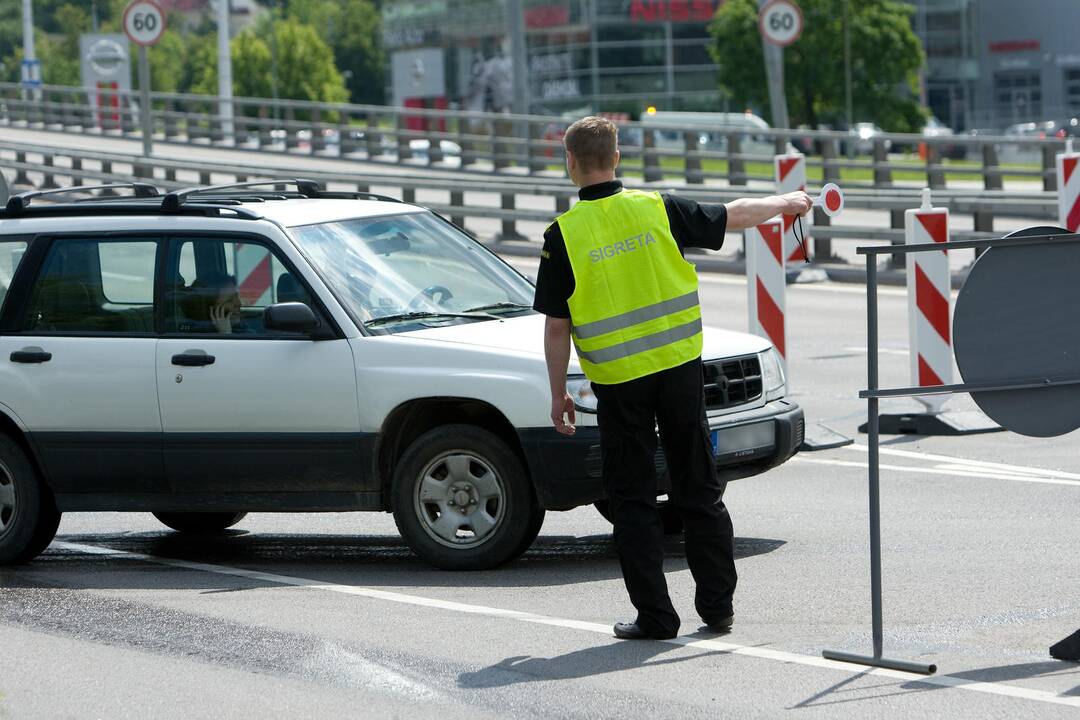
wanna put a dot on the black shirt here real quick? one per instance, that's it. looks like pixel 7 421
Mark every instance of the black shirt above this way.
pixel 692 225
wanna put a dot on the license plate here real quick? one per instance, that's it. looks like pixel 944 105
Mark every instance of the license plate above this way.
pixel 744 440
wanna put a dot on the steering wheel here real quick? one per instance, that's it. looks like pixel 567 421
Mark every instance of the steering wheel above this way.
pixel 430 292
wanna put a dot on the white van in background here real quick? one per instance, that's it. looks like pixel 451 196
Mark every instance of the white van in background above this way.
pixel 713 128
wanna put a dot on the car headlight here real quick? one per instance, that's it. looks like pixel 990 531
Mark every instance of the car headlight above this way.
pixel 580 389
pixel 772 375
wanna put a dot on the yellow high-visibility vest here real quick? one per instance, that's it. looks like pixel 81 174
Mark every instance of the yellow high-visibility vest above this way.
pixel 635 309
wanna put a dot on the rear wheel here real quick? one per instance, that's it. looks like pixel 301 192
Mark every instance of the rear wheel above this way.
pixel 199 523
pixel 28 515
pixel 462 501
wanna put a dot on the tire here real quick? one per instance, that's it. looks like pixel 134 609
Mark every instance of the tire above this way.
pixel 669 515
pixel 197 523
pixel 464 470
pixel 28 514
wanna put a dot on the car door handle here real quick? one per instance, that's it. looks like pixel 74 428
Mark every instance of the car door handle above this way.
pixel 193 358
pixel 31 355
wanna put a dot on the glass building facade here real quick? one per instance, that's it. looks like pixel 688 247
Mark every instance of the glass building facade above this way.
pixel 597 55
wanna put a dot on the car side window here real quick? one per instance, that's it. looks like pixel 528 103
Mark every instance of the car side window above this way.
pixel 222 287
pixel 94 286
pixel 11 254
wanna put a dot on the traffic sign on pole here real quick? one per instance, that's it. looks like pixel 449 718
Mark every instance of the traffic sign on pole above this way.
pixel 781 22
pixel 144 24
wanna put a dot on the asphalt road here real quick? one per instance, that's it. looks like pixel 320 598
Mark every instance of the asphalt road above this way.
pixel 319 615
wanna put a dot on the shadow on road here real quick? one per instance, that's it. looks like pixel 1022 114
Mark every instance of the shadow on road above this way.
pixel 1020 671
pixel 589 662
pixel 376 561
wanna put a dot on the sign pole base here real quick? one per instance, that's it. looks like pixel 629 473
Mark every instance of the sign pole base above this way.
pixel 881 662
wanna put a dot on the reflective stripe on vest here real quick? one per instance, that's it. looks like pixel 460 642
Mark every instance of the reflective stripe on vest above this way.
pixel 635 308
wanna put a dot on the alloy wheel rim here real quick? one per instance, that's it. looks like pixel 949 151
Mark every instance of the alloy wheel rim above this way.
pixel 460 500
pixel 8 500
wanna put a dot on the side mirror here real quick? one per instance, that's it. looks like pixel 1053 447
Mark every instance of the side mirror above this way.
pixel 290 317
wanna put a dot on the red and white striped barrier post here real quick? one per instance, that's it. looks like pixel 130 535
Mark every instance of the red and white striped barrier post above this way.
pixel 766 283
pixel 254 274
pixel 1068 179
pixel 790 174
pixel 929 301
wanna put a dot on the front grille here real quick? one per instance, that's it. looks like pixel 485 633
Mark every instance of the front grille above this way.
pixel 729 383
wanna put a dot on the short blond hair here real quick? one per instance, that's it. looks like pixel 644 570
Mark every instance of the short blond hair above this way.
pixel 593 141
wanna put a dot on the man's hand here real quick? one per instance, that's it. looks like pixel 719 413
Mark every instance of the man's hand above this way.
pixel 563 408
pixel 796 203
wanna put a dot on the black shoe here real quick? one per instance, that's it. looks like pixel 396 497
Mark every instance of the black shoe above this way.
pixel 631 631
pixel 723 625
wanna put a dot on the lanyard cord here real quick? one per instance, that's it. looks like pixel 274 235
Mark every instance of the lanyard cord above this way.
pixel 800 235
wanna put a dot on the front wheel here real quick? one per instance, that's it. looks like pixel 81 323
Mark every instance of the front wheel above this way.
pixel 197 523
pixel 462 501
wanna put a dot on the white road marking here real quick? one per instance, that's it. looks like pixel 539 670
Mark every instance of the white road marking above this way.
pixel 993 688
pixel 953 471
pixel 997 467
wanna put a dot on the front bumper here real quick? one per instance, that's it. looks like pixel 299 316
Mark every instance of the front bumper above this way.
pixel 566 470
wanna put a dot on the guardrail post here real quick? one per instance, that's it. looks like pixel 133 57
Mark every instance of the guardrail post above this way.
pixel 882 172
pixel 403 151
pixel 371 138
pixel 291 140
pixel 984 222
pixel 318 142
pixel 780 145
pixel 106 169
pixel 468 157
pixel 170 174
pixel 172 128
pixel 76 166
pixel 897 222
pixel 562 204
pixel 650 164
pixel 694 174
pixel 736 165
pixel 266 135
pixel 204 177
pixel 49 180
pixel 822 241
pixel 142 172
pixel 500 130
pixel 21 178
pixel 830 171
pixel 363 188
pixel 240 125
pixel 345 145
pixel 991 169
pixel 509 225
pixel 1049 168
pixel 457 200
pixel 435 153
pixel 127 115
pixel 408 195
pixel 87 121
pixel 217 126
pixel 935 174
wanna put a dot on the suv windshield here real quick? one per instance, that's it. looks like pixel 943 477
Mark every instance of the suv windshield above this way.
pixel 412 268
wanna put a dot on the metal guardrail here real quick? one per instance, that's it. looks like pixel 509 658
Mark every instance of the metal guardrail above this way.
pixel 492 143
pixel 510 201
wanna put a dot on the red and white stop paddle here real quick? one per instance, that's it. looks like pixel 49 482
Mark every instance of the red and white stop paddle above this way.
pixel 831 199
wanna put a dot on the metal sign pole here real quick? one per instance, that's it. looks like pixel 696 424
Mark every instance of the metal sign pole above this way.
pixel 144 102
pixel 873 458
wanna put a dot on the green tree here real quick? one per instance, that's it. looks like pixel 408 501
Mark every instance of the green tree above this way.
pixel 305 65
pixel 885 59
pixel 353 30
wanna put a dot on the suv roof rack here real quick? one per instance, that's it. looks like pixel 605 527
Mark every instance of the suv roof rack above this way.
pixel 176 198
pixel 18 203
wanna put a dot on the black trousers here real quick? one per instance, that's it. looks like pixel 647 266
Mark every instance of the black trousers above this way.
pixel 628 414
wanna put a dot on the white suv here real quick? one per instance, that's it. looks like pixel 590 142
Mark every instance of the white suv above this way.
pixel 217 351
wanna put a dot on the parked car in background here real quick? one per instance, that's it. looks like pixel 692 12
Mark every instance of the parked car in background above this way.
pixel 863 136
pixel 934 128
pixel 668 127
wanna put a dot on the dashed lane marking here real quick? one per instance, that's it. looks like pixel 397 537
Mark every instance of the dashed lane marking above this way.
pixel 992 688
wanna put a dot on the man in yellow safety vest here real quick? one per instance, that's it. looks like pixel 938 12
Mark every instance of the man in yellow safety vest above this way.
pixel 613 280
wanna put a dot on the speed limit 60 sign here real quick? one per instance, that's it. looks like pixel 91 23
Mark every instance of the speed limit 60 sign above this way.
pixel 781 22
pixel 144 22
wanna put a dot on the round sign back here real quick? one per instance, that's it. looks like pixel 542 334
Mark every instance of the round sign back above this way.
pixel 144 22
pixel 1015 320
pixel 781 22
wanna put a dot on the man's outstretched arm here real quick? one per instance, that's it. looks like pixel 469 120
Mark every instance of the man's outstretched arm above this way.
pixel 748 212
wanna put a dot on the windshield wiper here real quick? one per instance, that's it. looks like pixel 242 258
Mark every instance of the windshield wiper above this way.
pixel 500 306
pixel 425 315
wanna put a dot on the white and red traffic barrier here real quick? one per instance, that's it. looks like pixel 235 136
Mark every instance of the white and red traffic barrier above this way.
pixel 254 274
pixel 1068 180
pixel 929 301
pixel 766 283
pixel 790 173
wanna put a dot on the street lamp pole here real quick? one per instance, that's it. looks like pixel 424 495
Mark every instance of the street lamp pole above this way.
pixel 224 70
